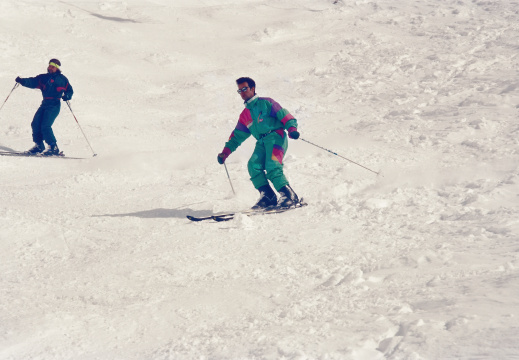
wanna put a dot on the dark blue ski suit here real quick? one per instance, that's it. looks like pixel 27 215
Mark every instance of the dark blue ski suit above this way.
pixel 53 86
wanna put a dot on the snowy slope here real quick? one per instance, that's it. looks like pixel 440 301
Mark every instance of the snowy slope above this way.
pixel 419 262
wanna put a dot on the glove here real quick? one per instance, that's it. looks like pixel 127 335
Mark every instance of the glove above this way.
pixel 224 155
pixel 293 133
pixel 18 79
pixel 221 158
pixel 65 98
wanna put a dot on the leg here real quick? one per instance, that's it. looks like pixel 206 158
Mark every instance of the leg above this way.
pixel 275 149
pixel 37 136
pixel 50 114
pixel 256 166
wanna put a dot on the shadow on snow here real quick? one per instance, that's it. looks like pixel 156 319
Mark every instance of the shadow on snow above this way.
pixel 162 214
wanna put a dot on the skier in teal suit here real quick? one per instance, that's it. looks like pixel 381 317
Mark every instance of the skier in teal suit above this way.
pixel 54 86
pixel 267 121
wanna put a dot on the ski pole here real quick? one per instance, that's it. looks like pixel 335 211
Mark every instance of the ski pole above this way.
pixel 15 86
pixel 80 128
pixel 229 179
pixel 339 156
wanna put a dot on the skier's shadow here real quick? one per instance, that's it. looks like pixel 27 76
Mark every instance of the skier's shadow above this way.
pixel 3 148
pixel 161 213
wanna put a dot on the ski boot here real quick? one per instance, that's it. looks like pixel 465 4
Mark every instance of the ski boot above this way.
pixel 51 151
pixel 36 149
pixel 288 197
pixel 267 198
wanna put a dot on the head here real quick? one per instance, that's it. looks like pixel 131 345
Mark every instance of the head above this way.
pixel 54 65
pixel 246 88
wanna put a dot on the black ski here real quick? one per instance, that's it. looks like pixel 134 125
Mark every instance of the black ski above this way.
pixel 267 211
pixel 249 212
pixel 194 218
pixel 211 217
pixel 25 154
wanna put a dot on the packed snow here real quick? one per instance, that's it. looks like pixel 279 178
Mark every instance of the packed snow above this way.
pixel 416 259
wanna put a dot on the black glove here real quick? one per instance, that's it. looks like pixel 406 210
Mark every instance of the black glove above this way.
pixel 18 80
pixel 65 98
pixel 294 135
pixel 221 158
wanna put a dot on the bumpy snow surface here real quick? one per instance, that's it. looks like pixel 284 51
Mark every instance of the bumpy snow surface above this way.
pixel 419 261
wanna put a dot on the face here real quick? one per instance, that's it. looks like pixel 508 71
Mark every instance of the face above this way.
pixel 248 93
pixel 52 69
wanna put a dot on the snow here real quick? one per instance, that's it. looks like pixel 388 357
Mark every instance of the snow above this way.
pixel 98 260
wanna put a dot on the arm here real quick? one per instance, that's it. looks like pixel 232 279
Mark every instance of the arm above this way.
pixel 240 133
pixel 288 121
pixel 32 83
pixel 68 92
pixel 66 88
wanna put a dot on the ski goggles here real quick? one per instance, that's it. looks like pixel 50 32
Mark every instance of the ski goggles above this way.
pixel 243 89
pixel 54 64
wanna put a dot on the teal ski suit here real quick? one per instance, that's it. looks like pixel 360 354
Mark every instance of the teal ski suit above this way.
pixel 267 121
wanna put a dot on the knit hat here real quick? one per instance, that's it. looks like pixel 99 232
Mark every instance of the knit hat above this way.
pixel 55 62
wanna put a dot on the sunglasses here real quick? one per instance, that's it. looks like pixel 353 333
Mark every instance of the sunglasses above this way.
pixel 243 89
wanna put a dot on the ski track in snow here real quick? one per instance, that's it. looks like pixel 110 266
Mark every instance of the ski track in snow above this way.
pixel 420 262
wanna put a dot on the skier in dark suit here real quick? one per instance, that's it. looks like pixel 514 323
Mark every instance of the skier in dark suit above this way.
pixel 54 86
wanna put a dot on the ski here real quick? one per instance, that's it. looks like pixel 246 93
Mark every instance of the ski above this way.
pixel 25 154
pixel 267 211
pixel 249 212
pixel 211 217
pixel 194 218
